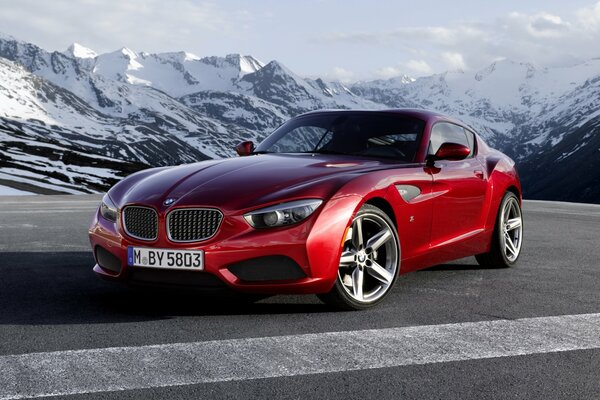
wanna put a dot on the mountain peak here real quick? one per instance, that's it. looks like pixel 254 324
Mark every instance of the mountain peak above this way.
pixel 401 79
pixel 178 56
pixel 243 65
pixel 122 53
pixel 127 52
pixel 247 64
pixel 4 36
pixel 508 67
pixel 278 68
pixel 78 51
pixel 188 56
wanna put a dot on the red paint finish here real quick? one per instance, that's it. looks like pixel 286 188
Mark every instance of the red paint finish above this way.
pixel 244 148
pixel 452 216
pixel 452 151
pixel 458 205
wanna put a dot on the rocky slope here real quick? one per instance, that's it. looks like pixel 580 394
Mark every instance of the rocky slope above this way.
pixel 128 110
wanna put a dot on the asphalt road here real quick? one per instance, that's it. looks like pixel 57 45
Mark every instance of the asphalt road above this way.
pixel 454 331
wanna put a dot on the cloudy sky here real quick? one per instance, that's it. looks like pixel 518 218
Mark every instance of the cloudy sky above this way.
pixel 346 40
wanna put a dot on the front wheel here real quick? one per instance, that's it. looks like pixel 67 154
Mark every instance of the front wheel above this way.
pixel 507 239
pixel 369 262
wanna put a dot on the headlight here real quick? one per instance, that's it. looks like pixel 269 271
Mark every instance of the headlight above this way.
pixel 108 209
pixel 282 214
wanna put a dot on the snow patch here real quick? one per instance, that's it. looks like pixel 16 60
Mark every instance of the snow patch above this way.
pixel 9 191
pixel 78 51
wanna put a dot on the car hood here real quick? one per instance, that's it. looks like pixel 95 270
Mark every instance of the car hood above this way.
pixel 237 184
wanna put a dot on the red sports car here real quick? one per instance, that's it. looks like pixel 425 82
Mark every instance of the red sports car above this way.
pixel 336 203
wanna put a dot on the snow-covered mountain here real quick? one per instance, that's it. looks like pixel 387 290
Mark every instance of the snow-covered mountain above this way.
pixel 496 100
pixel 545 118
pixel 87 119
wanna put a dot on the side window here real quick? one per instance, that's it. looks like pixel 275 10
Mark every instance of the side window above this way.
pixel 443 132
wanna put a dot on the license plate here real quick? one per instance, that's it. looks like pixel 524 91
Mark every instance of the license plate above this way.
pixel 165 258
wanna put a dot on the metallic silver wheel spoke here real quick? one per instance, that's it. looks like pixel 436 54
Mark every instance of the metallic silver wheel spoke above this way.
pixel 507 211
pixel 370 258
pixel 357 283
pixel 380 273
pixel 509 244
pixel 377 240
pixel 348 258
pixel 357 233
pixel 513 224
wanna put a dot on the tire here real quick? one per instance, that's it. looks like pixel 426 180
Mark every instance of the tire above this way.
pixel 369 263
pixel 509 227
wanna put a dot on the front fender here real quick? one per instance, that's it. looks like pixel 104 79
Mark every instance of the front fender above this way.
pixel 502 177
pixel 324 243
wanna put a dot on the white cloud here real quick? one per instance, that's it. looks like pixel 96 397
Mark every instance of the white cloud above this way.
pixel 149 25
pixel 410 68
pixel 548 25
pixel 388 72
pixel 542 38
pixel 539 25
pixel 453 60
pixel 419 67
pixel 589 17
pixel 340 74
pixel 434 34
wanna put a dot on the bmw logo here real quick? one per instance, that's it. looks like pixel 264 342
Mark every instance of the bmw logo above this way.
pixel 169 201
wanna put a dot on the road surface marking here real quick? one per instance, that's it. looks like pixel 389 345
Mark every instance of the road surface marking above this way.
pixel 561 212
pixel 46 202
pixel 49 211
pixel 125 368
pixel 559 203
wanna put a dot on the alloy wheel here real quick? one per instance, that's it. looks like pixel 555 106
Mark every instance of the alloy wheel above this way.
pixel 369 261
pixel 511 229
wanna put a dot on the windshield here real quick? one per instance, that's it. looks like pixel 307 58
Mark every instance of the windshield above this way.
pixel 360 134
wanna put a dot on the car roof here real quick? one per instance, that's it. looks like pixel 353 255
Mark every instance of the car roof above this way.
pixel 425 115
pixel 408 112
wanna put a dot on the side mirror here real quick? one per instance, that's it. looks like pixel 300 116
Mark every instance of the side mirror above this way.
pixel 245 148
pixel 452 151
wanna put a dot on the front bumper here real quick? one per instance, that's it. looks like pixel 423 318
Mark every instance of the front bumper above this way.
pixel 300 259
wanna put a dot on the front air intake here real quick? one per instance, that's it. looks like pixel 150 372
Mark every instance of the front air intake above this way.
pixel 193 224
pixel 140 222
pixel 107 260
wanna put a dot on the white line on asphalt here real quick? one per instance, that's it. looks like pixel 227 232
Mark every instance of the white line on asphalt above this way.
pixel 562 212
pixel 49 211
pixel 125 368
pixel 25 202
pixel 560 203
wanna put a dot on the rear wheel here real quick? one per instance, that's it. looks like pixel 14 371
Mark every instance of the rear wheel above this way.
pixel 507 239
pixel 369 262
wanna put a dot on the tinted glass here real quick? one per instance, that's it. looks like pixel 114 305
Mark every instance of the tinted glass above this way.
pixel 444 132
pixel 301 139
pixel 359 134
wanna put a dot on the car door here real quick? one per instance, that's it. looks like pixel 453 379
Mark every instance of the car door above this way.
pixel 459 189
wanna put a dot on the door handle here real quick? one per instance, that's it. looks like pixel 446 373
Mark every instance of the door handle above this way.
pixel 479 174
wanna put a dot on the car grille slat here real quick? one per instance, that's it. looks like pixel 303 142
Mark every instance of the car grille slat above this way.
pixel 193 224
pixel 140 222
